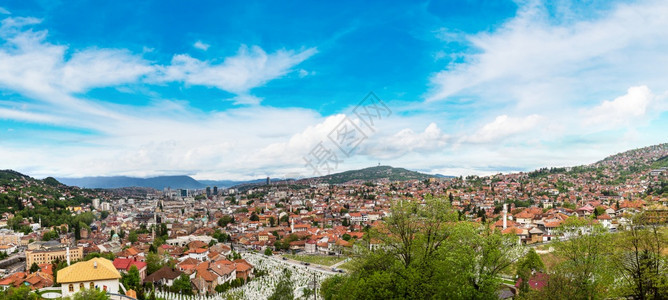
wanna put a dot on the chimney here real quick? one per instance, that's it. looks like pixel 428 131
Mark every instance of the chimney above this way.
pixel 505 215
pixel 68 254
pixel 95 264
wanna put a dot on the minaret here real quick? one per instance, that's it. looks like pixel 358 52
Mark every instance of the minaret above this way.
pixel 505 215
pixel 68 255
pixel 292 225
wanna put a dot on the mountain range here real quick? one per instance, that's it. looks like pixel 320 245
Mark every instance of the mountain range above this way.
pixel 187 182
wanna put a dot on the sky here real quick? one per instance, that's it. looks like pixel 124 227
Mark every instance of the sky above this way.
pixel 243 90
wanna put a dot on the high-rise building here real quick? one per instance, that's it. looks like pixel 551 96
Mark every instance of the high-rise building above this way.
pixel 215 190
pixel 208 191
pixel 184 193
pixel 268 180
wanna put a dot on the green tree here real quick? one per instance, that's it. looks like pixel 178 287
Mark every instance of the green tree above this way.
pixel 91 294
pixel 132 280
pixel 254 217
pixel 267 251
pixel 50 235
pixel 585 269
pixel 153 262
pixel 132 237
pixel 640 262
pixel 525 268
pixel 284 289
pixel 34 268
pixel 19 293
pixel 421 252
pixel 222 222
pixel 182 285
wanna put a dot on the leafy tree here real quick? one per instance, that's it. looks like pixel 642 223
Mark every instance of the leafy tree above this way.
pixel 222 222
pixel 104 214
pixel 91 294
pixel 19 293
pixel 132 237
pixel 132 280
pixel 267 251
pixel 425 254
pixel 527 266
pixel 346 237
pixel 34 268
pixel 153 263
pixel 284 289
pixel 254 217
pixel 50 235
pixel 640 261
pixel 272 221
pixel 182 285
pixel 585 269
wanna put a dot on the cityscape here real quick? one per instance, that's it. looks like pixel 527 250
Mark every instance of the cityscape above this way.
pixel 433 150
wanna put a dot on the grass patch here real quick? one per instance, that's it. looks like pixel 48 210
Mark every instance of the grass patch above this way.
pixel 349 265
pixel 317 259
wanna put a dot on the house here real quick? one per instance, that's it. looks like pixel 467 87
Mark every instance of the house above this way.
pixel 225 270
pixel 605 220
pixel 96 273
pixel 164 276
pixel 205 281
pixel 537 281
pixel 12 280
pixel 200 254
pixel 243 269
pixel 310 247
pixel 123 265
pixel 8 249
pixel 586 210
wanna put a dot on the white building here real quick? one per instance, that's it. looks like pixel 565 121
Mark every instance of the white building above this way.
pixel 97 273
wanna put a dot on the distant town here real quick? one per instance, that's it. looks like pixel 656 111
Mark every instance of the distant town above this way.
pixel 226 243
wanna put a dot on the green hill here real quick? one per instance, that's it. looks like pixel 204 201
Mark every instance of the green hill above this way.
pixel 374 173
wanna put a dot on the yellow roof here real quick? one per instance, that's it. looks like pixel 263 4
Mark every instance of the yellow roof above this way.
pixel 86 271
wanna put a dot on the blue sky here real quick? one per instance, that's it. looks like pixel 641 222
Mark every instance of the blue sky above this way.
pixel 235 90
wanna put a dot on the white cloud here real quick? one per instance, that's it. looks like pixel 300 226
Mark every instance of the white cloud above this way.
pixel 503 127
pixel 538 60
pixel 4 11
pixel 102 67
pixel 249 68
pixel 633 106
pixel 407 141
pixel 202 46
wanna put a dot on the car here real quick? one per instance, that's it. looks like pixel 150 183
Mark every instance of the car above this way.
pixel 306 263
pixel 334 270
pixel 341 271
pixel 285 258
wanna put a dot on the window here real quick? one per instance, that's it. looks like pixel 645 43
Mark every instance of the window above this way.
pixel 92 285
pixel 71 287
pixel 81 286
